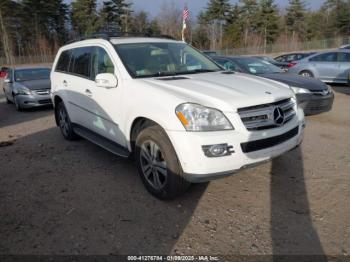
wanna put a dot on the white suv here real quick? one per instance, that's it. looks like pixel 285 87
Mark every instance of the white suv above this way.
pixel 183 118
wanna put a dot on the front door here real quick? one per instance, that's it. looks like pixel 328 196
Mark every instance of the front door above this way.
pixel 107 111
pixel 325 65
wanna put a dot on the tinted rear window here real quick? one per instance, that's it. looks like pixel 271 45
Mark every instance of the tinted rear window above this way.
pixel 343 57
pixel 63 61
pixel 326 57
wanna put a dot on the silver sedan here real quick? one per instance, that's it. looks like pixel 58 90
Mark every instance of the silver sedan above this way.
pixel 27 87
pixel 331 66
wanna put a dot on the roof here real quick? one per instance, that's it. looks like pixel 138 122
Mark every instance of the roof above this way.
pixel 30 67
pixel 129 40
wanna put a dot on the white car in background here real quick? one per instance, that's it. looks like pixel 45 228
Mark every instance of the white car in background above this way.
pixel 183 118
pixel 329 66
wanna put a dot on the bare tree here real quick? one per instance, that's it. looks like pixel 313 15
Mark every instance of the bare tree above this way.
pixel 170 19
pixel 5 41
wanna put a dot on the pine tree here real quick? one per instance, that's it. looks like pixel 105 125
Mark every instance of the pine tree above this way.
pixel 337 17
pixel 295 18
pixel 57 20
pixel 115 15
pixel 233 31
pixel 267 21
pixel 216 14
pixel 218 10
pixel 249 10
pixel 84 17
pixel 200 37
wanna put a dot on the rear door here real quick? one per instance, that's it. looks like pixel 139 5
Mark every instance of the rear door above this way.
pixel 325 65
pixel 78 85
pixel 343 67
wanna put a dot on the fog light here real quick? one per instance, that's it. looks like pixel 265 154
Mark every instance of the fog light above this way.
pixel 217 150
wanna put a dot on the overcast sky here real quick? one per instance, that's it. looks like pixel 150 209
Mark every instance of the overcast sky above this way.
pixel 152 6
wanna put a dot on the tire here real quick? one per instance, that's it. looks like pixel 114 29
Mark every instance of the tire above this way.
pixel 17 105
pixel 64 122
pixel 306 73
pixel 159 168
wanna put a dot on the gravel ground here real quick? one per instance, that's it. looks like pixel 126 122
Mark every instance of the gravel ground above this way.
pixel 60 197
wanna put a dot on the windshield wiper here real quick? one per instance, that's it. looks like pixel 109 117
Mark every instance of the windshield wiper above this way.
pixel 195 71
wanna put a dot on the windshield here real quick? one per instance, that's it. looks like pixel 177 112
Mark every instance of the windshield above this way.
pixel 162 59
pixel 32 74
pixel 256 66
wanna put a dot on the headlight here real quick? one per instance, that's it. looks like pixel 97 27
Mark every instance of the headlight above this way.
pixel 298 90
pixel 195 117
pixel 329 88
pixel 23 91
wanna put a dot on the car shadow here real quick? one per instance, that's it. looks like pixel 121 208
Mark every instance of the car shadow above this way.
pixel 341 88
pixel 292 231
pixel 10 116
pixel 76 198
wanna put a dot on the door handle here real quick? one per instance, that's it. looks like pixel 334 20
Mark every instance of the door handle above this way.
pixel 65 83
pixel 88 92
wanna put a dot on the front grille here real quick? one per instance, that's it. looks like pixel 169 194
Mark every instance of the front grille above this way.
pixel 268 142
pixel 45 101
pixel 317 105
pixel 262 117
pixel 42 91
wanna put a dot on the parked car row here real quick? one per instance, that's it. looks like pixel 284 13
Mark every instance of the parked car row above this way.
pixel 312 94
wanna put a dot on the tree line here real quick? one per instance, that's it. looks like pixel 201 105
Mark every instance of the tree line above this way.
pixel 39 27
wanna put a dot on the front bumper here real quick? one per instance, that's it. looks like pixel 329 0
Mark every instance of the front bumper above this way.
pixel 315 104
pixel 33 100
pixel 199 168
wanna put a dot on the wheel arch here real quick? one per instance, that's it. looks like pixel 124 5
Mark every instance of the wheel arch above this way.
pixel 136 126
pixel 57 99
pixel 307 69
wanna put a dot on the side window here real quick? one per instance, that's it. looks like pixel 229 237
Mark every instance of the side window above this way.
pixel 63 61
pixel 290 58
pixel 280 58
pixel 101 62
pixel 326 57
pixel 343 57
pixel 80 64
pixel 221 61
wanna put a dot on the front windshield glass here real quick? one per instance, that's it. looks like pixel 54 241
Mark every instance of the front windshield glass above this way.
pixel 256 66
pixel 32 74
pixel 163 59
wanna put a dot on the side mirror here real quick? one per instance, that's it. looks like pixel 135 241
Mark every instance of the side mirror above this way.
pixel 106 80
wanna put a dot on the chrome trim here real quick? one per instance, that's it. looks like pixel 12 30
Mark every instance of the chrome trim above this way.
pixel 262 116
pixel 42 91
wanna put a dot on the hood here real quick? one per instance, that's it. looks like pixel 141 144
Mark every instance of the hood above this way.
pixel 221 90
pixel 297 81
pixel 36 84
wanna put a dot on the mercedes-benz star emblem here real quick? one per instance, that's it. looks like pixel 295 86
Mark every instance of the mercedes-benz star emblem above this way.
pixel 278 116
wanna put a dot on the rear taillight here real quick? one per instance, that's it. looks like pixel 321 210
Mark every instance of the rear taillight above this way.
pixel 291 64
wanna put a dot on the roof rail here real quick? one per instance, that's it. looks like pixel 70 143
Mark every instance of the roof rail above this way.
pixel 108 35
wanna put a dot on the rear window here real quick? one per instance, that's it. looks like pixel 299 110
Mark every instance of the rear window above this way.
pixel 326 57
pixel 343 57
pixel 63 61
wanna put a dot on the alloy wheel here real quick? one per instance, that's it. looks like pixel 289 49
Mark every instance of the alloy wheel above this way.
pixel 63 120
